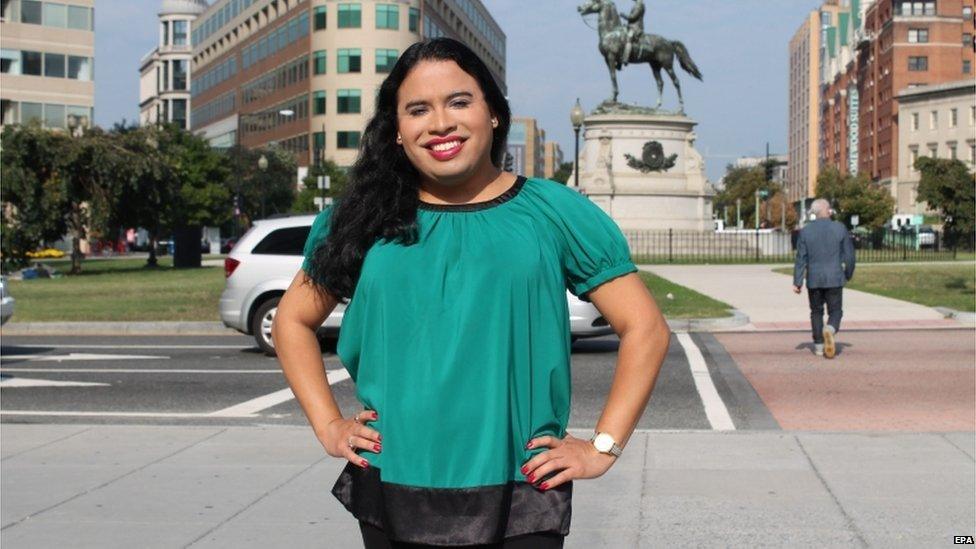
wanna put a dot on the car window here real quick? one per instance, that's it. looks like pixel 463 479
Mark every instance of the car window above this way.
pixel 288 241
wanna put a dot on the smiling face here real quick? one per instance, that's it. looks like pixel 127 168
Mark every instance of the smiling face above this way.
pixel 445 124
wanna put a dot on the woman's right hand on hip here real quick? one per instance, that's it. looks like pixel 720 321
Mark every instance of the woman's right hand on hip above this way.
pixel 342 437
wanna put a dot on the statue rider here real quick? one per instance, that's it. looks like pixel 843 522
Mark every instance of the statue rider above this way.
pixel 635 29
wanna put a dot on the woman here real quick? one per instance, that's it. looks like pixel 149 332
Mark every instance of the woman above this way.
pixel 457 330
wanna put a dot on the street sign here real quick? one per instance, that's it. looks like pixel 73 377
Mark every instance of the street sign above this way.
pixel 319 201
pixel 324 182
pixel 855 220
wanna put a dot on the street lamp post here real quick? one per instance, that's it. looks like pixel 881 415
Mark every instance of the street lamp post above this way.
pixel 263 166
pixel 576 117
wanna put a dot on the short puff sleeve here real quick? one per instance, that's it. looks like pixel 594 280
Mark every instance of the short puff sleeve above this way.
pixel 316 236
pixel 594 249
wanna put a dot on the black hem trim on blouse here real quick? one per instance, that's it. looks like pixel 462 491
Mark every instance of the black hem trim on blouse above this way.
pixel 453 516
pixel 475 206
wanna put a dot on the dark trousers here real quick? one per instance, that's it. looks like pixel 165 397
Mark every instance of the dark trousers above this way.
pixel 832 297
pixel 374 538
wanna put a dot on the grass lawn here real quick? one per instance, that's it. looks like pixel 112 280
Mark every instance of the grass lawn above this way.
pixel 944 285
pixel 124 290
pixel 120 290
pixel 686 303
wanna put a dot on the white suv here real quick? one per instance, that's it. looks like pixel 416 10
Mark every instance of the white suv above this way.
pixel 262 264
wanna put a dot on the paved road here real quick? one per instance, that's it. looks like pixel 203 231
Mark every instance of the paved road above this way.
pixel 200 446
pixel 225 380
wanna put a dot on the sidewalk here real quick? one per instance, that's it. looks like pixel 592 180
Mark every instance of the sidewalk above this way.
pixel 175 486
pixel 768 300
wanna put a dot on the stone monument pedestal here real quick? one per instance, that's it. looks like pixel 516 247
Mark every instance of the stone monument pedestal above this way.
pixel 678 197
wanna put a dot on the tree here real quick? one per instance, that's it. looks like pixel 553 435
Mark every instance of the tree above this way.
pixel 33 197
pixel 856 195
pixel 305 200
pixel 741 184
pixel 262 192
pixel 563 173
pixel 948 186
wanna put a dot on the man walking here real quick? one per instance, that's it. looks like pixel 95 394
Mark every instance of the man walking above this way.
pixel 825 252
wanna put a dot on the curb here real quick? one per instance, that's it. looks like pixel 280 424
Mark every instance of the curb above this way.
pixel 117 328
pixel 737 319
pixel 960 316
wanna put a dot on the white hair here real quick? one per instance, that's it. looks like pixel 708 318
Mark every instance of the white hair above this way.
pixel 820 208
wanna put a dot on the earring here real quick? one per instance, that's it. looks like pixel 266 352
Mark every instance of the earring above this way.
pixel 399 140
pixel 494 122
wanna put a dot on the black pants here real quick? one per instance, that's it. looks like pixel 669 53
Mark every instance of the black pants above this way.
pixel 832 297
pixel 374 538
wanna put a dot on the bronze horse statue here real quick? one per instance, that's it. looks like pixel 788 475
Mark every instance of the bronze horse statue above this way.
pixel 651 48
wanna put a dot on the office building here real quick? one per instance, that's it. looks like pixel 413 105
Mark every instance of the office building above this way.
pixel 303 74
pixel 804 102
pixel 938 121
pixel 164 73
pixel 525 145
pixel 553 158
pixel 47 62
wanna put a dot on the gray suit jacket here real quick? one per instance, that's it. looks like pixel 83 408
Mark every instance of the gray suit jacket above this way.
pixel 825 251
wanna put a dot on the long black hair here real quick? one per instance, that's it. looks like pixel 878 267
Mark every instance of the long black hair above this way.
pixel 381 199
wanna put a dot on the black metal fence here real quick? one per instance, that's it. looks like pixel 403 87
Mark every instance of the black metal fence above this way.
pixel 776 246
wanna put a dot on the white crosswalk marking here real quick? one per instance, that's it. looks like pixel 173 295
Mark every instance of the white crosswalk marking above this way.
pixel 79 356
pixel 12 382
pixel 715 410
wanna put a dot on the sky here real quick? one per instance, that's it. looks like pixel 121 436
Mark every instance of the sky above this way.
pixel 740 46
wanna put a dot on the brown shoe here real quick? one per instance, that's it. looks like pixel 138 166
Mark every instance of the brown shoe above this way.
pixel 829 348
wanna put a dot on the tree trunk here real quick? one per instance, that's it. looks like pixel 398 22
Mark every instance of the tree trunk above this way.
pixel 75 255
pixel 152 262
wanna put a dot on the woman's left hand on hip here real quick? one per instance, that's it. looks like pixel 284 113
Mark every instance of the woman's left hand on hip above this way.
pixel 573 457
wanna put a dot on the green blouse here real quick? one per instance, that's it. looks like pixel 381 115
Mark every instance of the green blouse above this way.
pixel 461 341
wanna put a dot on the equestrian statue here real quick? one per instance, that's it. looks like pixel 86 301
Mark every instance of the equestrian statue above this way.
pixel 623 45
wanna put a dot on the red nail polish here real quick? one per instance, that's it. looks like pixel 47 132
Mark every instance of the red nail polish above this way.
pixel 364 464
pixel 524 469
pixel 530 478
pixel 376 447
pixel 544 486
pixel 529 445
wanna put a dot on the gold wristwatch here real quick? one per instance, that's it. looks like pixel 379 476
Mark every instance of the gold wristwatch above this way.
pixel 605 444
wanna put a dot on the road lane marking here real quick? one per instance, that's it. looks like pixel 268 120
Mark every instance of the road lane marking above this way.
pixel 78 356
pixel 17 382
pixel 715 410
pixel 138 371
pixel 250 408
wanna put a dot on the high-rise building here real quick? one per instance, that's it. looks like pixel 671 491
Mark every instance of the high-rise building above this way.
pixel 525 144
pixel 839 102
pixel 873 50
pixel 553 159
pixel 303 74
pixel 804 102
pixel 47 62
pixel 938 121
pixel 164 73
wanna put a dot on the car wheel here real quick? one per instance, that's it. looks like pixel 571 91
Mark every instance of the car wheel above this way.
pixel 261 325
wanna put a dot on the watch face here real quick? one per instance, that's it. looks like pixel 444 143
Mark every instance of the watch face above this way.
pixel 603 442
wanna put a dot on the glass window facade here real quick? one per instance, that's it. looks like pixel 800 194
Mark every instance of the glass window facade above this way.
pixel 80 18
pixel 54 65
pixel 275 40
pixel 80 68
pixel 318 102
pixel 33 62
pixel 387 16
pixel 348 101
pixel 385 59
pixel 414 20
pixel 347 140
pixel 54 116
pixel 179 33
pixel 350 16
pixel 918 64
pixel 55 15
pixel 321 17
pixel 31 112
pixel 320 62
pixel 179 74
pixel 349 60
pixel 31 12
